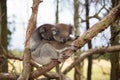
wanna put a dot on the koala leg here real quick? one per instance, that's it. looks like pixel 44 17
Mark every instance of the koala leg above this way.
pixel 40 55
pixel 52 52
pixel 39 59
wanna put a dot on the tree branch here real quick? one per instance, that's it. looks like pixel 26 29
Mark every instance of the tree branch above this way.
pixel 10 55
pixel 43 70
pixel 97 28
pixel 96 15
pixel 8 76
pixel 85 54
pixel 26 56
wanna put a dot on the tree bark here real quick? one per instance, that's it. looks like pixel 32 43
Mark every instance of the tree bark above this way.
pixel 3 35
pixel 89 68
pixel 114 57
pixel 26 57
pixel 113 15
pixel 8 76
pixel 90 52
pixel 76 17
pixel 57 21
pixel 98 27
pixel 57 11
pixel 77 68
pixel 43 70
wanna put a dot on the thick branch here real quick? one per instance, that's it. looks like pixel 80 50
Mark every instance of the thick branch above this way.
pixel 98 27
pixel 8 76
pixel 26 58
pixel 43 70
pixel 52 75
pixel 90 52
pixel 32 21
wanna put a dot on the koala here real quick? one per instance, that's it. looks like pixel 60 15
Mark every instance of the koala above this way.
pixel 45 42
pixel 49 50
pixel 61 32
pixel 42 32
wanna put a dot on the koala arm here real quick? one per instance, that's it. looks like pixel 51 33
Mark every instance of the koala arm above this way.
pixel 47 51
pixel 64 49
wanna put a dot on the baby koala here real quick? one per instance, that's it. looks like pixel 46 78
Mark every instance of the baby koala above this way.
pixel 42 32
pixel 59 32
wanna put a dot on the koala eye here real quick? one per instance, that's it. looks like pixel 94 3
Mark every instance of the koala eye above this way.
pixel 54 31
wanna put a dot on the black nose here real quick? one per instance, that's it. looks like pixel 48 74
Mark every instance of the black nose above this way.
pixel 64 40
pixel 50 38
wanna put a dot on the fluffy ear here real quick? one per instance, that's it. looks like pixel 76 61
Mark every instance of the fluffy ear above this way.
pixel 54 30
pixel 70 29
pixel 42 29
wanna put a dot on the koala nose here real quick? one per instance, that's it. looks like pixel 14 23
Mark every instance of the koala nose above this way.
pixel 64 40
pixel 50 38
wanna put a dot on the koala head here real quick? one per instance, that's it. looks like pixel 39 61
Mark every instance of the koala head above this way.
pixel 61 32
pixel 45 31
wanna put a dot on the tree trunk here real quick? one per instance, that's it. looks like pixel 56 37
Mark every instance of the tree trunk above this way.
pixel 57 11
pixel 78 68
pixel 3 34
pixel 26 56
pixel 114 57
pixel 89 70
pixel 57 20
pixel 76 17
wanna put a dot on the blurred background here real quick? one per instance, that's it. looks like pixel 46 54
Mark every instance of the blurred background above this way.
pixel 82 14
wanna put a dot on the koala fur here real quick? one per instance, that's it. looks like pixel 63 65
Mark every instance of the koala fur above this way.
pixel 49 50
pixel 49 42
pixel 46 32
pixel 61 32
pixel 42 32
